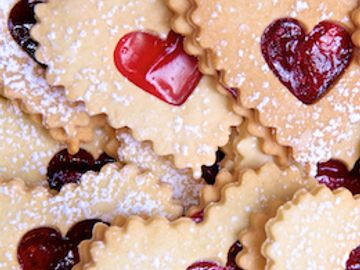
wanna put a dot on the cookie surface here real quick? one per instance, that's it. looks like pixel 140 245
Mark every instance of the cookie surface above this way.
pixel 230 32
pixel 190 132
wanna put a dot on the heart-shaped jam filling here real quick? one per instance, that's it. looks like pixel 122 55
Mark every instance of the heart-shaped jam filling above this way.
pixel 159 67
pixel 65 168
pixel 334 174
pixel 308 65
pixel 353 263
pixel 230 265
pixel 45 248
pixel 20 22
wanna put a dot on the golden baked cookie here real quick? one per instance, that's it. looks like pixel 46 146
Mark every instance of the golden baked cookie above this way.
pixel 101 196
pixel 313 109
pixel 137 73
pixel 23 79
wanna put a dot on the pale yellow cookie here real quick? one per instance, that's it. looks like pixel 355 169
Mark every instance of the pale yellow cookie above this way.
pixel 23 79
pixel 111 192
pixel 158 244
pixel 229 32
pixel 27 147
pixel 317 230
pixel 186 189
pixel 80 37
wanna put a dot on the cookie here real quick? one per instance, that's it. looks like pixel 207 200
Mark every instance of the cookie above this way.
pixel 356 21
pixel 24 80
pixel 184 116
pixel 111 192
pixel 237 42
pixel 186 189
pixel 154 243
pixel 321 226
pixel 28 147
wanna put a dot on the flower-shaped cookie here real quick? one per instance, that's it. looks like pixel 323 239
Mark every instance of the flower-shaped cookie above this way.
pixel 249 50
pixel 135 71
pixel 23 79
pixel 105 195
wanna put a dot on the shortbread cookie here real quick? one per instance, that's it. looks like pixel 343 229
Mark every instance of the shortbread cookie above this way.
pixel 317 230
pixel 180 119
pixel 102 196
pixel 231 34
pixel 23 80
pixel 28 147
pixel 154 244
pixel 186 189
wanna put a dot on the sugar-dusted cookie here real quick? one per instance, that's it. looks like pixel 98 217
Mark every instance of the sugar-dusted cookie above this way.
pixel 27 147
pixel 356 21
pixel 186 189
pixel 139 75
pixel 183 244
pixel 23 79
pixel 315 111
pixel 316 230
pixel 103 195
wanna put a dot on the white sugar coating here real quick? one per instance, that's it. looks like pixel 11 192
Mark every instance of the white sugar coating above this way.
pixel 327 129
pixel 186 189
pixel 26 147
pixel 104 196
pixel 22 78
pixel 191 132
pixel 314 233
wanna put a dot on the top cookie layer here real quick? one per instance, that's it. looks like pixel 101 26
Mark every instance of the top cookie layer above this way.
pixel 231 32
pixel 78 39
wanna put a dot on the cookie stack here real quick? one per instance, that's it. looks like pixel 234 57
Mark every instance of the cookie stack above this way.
pixel 178 134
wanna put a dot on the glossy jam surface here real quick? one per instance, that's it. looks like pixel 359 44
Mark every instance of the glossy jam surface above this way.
pixel 20 22
pixel 353 263
pixel 335 174
pixel 209 173
pixel 65 168
pixel 46 249
pixel 308 65
pixel 159 67
pixel 230 265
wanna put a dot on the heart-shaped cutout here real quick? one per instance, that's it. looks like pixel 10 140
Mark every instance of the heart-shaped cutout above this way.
pixel 45 248
pixel 308 65
pixel 159 67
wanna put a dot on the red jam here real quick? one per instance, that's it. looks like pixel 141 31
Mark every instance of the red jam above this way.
pixel 65 168
pixel 308 65
pixel 160 67
pixel 45 248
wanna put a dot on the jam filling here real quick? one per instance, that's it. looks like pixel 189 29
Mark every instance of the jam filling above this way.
pixel 20 22
pixel 209 173
pixel 160 67
pixel 307 64
pixel 45 248
pixel 334 174
pixel 65 168
pixel 230 265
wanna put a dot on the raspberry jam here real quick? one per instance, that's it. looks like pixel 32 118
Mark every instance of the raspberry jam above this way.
pixel 230 265
pixel 308 65
pixel 353 263
pixel 65 168
pixel 45 248
pixel 334 174
pixel 20 22
pixel 158 66
pixel 209 173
